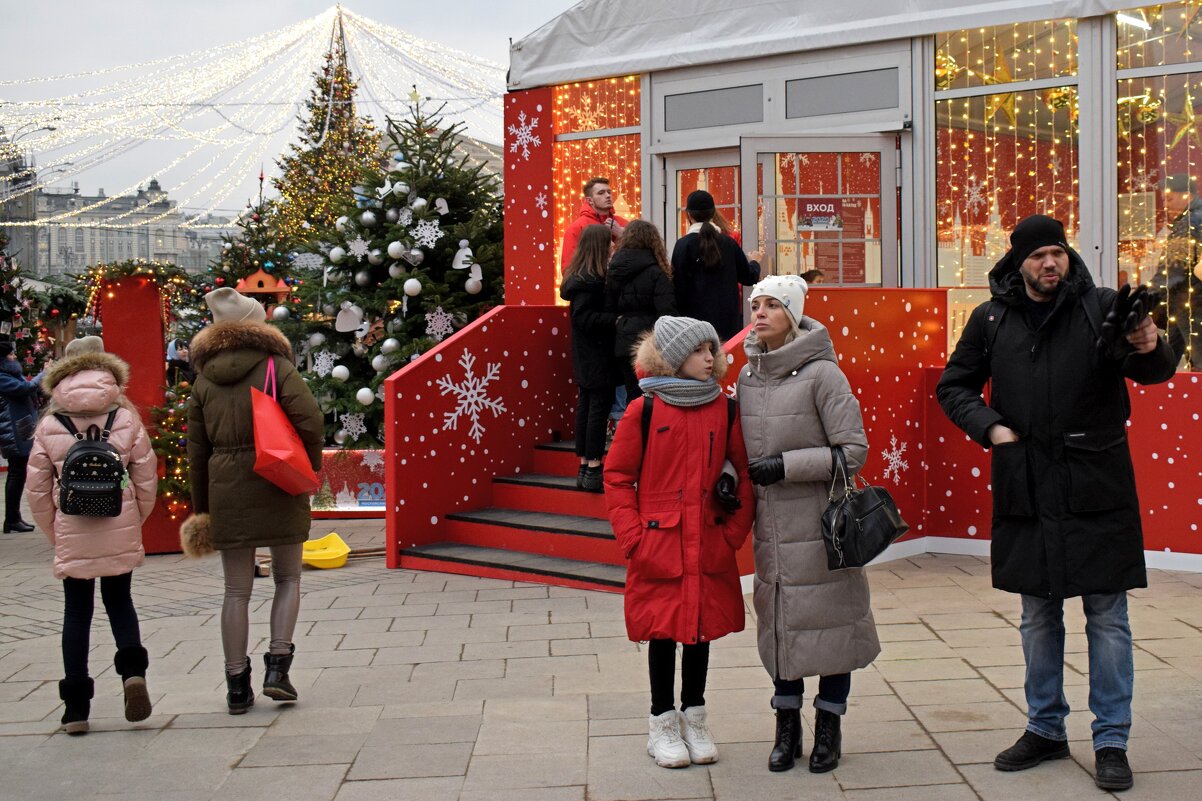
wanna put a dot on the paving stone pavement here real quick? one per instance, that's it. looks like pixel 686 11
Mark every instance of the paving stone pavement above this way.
pixel 432 686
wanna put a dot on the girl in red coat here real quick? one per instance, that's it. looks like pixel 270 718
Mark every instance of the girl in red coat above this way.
pixel 680 505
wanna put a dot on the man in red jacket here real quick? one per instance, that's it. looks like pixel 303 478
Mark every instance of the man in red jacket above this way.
pixel 596 208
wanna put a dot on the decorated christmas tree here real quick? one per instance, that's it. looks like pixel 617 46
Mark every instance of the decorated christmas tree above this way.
pixel 20 317
pixel 417 254
pixel 334 148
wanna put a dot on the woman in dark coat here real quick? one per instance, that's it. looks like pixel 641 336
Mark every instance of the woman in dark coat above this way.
pixel 236 508
pixel 18 419
pixel 707 267
pixel 638 289
pixel 592 350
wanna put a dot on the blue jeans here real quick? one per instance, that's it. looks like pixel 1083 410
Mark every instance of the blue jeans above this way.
pixel 832 693
pixel 1111 667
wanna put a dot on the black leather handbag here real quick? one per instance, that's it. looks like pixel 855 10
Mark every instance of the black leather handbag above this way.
pixel 860 522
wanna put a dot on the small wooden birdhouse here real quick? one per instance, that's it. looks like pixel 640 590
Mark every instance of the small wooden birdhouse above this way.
pixel 261 282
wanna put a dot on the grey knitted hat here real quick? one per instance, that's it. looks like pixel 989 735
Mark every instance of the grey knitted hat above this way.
pixel 677 337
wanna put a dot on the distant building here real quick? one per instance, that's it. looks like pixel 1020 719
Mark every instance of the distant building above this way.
pixel 147 226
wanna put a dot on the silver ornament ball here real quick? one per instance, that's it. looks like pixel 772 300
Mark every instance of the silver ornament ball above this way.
pixel 340 372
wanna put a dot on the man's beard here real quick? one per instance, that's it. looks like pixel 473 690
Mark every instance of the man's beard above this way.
pixel 1033 284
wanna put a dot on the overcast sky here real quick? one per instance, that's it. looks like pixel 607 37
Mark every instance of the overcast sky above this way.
pixel 69 36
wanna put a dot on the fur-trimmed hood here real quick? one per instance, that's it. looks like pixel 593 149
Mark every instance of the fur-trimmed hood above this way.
pixel 225 352
pixel 90 382
pixel 649 361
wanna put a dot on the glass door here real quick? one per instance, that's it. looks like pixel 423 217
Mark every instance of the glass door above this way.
pixel 825 208
pixel 717 173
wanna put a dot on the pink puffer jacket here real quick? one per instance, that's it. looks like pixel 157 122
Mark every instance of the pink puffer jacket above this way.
pixel 85 388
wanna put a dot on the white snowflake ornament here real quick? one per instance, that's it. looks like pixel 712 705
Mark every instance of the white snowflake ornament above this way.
pixel 323 363
pixel 426 233
pixel 895 464
pixel 358 247
pixel 523 135
pixel 373 461
pixel 353 425
pixel 439 324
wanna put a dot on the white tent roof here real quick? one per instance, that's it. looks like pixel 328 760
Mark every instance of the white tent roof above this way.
pixel 604 38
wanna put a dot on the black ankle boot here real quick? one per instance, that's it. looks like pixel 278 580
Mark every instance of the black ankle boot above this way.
pixel 239 696
pixel 275 683
pixel 131 664
pixel 788 740
pixel 828 742
pixel 77 696
pixel 580 476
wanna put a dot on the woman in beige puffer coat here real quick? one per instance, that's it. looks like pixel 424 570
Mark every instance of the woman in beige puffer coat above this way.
pixel 86 388
pixel 795 405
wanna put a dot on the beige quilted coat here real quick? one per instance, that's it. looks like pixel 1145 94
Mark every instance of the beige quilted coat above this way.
pixel 796 401
pixel 85 388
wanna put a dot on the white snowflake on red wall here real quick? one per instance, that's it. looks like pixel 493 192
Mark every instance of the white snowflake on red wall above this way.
pixel 471 395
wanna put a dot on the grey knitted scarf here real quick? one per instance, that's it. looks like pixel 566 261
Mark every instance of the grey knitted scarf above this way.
pixel 681 391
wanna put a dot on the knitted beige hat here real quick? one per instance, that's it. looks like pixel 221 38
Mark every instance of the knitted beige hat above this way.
pixel 84 345
pixel 228 305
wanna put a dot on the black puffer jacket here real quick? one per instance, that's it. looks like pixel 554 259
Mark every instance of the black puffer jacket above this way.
pixel 712 293
pixel 1066 519
pixel 592 333
pixel 639 292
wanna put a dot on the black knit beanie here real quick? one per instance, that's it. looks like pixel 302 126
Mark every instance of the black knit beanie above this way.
pixel 699 200
pixel 1035 232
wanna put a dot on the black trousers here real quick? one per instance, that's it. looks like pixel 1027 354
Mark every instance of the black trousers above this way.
pixel 592 416
pixel 661 663
pixel 13 487
pixel 77 618
pixel 631 380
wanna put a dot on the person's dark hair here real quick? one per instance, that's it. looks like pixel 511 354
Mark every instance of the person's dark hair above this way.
pixel 592 254
pixel 1181 182
pixel 711 253
pixel 591 182
pixel 723 224
pixel 642 235
pixel 810 275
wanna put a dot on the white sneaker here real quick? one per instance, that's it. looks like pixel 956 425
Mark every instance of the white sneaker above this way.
pixel 696 735
pixel 664 743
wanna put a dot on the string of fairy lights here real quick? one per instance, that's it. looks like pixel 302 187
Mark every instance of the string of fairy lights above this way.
pixel 220 113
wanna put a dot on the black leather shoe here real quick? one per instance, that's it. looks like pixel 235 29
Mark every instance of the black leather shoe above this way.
pixel 828 742
pixel 788 740
pixel 1111 771
pixel 1029 751
pixel 19 527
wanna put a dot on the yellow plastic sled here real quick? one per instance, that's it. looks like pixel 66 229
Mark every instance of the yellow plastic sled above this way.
pixel 328 552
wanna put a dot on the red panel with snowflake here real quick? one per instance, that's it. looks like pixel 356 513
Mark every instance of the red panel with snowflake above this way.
pixel 529 227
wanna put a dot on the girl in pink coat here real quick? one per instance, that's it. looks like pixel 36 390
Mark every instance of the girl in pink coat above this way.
pixel 86 387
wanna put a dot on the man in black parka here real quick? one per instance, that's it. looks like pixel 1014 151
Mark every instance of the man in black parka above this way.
pixel 1066 520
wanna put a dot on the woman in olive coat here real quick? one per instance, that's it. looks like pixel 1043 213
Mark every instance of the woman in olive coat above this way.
pixel 233 507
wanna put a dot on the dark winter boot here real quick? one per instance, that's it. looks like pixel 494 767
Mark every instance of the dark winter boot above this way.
pixel 828 742
pixel 131 664
pixel 788 740
pixel 275 683
pixel 77 696
pixel 580 476
pixel 593 480
pixel 239 696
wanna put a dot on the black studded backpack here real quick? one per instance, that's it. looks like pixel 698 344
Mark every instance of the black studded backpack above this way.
pixel 93 476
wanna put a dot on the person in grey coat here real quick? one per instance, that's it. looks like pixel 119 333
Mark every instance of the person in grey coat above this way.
pixel 795 404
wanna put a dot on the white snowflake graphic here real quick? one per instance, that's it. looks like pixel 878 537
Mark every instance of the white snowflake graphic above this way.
pixel 540 200
pixel 353 425
pixel 439 324
pixel 323 363
pixel 732 392
pixel 405 217
pixel 373 461
pixel 426 233
pixel 1144 181
pixel 804 158
pixel 896 464
pixel 358 247
pixel 587 118
pixel 1055 163
pixel 868 158
pixel 524 136
pixel 975 196
pixel 471 396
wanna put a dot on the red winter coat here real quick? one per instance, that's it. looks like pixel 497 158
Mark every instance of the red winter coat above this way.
pixel 585 217
pixel 681 581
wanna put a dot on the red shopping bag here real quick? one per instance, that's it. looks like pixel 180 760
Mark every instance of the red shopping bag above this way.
pixel 280 456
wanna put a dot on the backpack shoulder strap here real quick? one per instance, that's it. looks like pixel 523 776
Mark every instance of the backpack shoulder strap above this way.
pixel 108 425
pixel 732 409
pixel 994 314
pixel 648 409
pixel 1091 302
pixel 68 424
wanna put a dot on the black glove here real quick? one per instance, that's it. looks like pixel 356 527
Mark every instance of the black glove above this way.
pixel 1129 309
pixel 724 493
pixel 766 470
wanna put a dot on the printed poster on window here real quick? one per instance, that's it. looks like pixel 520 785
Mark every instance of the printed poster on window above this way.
pixel 820 214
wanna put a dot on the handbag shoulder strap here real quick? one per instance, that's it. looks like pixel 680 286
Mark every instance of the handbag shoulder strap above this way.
pixel 839 469
pixel 269 381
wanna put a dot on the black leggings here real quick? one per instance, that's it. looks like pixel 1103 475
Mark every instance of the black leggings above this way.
pixel 592 416
pixel 77 618
pixel 661 664
pixel 14 485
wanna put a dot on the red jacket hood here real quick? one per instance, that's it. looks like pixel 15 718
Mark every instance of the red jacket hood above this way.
pixel 586 210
